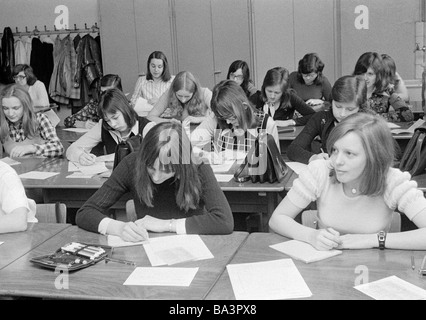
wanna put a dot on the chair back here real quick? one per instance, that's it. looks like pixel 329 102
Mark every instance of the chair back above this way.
pixel 51 212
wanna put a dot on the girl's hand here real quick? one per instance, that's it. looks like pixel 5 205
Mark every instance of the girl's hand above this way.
pixel 87 159
pixel 153 224
pixel 132 232
pixel 325 239
pixel 21 150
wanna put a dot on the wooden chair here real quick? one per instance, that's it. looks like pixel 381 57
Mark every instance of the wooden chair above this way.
pixel 51 212
pixel 130 210
pixel 310 219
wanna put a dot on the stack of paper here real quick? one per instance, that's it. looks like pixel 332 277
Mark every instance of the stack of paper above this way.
pixel 303 251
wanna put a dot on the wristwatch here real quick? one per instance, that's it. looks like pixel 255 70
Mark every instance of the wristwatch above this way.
pixel 381 236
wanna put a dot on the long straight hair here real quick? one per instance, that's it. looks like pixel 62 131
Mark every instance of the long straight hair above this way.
pixel 185 80
pixel 165 76
pixel 168 143
pixel 278 76
pixel 29 119
pixel 240 64
pixel 379 147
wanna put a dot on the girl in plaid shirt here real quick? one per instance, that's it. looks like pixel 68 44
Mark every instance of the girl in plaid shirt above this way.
pixel 22 131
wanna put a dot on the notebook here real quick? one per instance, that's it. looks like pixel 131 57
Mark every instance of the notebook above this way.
pixel 304 251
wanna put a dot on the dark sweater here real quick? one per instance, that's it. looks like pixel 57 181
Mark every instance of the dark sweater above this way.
pixel 213 215
pixel 287 113
pixel 320 125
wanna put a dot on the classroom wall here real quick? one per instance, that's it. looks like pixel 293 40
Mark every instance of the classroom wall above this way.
pixel 279 32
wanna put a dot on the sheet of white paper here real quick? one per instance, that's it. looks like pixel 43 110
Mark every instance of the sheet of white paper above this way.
pixel 106 158
pixel 97 167
pixel 81 130
pixel 392 288
pixel 165 276
pixel 39 175
pixel 10 161
pixel 142 107
pixel 116 242
pixel 223 177
pixel 268 280
pixel 297 167
pixel 175 249
pixel 79 175
pixel 72 167
pixel 304 251
pixel 223 167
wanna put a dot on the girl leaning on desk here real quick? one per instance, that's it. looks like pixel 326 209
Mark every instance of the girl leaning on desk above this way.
pixel 349 95
pixel 356 191
pixel 22 130
pixel 171 189
pixel 118 122
pixel 281 102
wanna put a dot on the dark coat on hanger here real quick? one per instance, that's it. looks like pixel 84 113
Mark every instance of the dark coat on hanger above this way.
pixel 7 56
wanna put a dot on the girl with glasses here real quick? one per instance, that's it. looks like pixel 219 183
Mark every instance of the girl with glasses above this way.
pixel 239 72
pixel 172 191
pixel 22 130
pixel 310 83
pixel 280 101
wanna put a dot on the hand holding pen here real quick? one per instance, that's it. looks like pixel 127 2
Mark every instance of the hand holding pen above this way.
pixel 87 158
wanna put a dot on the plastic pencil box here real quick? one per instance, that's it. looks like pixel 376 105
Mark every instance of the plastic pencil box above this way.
pixel 73 256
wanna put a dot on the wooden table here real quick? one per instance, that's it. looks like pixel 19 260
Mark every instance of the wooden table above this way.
pixel 333 278
pixel 17 244
pixel 105 281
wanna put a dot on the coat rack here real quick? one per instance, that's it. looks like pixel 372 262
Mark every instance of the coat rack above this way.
pixel 36 32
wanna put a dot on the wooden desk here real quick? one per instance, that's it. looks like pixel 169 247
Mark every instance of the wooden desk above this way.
pixel 244 197
pixel 333 278
pixel 105 281
pixel 17 244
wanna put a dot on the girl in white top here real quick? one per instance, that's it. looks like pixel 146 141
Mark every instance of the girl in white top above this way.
pixel 156 81
pixel 185 101
pixel 15 208
pixel 356 190
pixel 24 75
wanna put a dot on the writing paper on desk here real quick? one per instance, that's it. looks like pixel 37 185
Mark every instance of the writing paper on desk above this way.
pixel 267 280
pixel 304 251
pixel 10 161
pixel 97 167
pixel 223 177
pixel 116 242
pixel 176 249
pixel 392 288
pixel 38 175
pixel 297 167
pixel 80 130
pixel 142 276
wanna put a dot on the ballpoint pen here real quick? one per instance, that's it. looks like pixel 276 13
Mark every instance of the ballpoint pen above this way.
pixel 130 263
pixel 413 265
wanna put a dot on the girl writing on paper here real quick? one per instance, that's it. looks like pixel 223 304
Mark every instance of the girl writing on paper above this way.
pixel 22 130
pixel 349 96
pixel 173 191
pixel 118 122
pixel 356 191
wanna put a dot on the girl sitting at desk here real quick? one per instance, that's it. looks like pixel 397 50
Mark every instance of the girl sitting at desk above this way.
pixel 22 130
pixel 171 192
pixel 279 101
pixel 356 191
pixel 119 121
pixel 349 95
pixel 15 208
pixel 234 123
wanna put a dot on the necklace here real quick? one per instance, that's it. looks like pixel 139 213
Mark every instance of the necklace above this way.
pixel 353 190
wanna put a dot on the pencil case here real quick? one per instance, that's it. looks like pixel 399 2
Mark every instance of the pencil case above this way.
pixel 73 256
